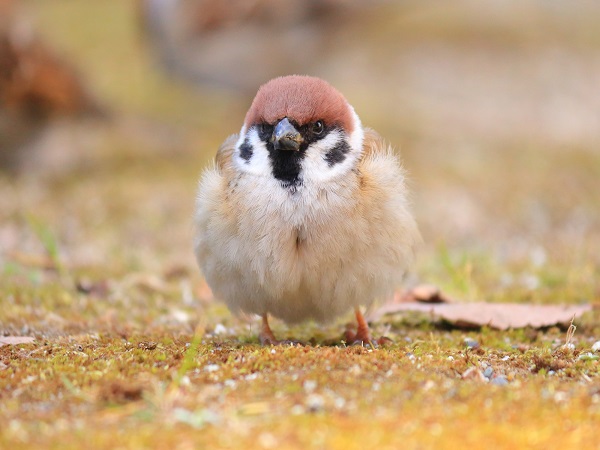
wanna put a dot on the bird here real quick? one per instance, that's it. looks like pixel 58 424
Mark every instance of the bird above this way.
pixel 305 214
pixel 206 42
pixel 40 91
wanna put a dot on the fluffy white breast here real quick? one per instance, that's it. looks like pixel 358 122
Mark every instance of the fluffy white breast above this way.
pixel 312 253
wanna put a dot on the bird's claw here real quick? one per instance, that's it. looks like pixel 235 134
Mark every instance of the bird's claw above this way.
pixel 353 338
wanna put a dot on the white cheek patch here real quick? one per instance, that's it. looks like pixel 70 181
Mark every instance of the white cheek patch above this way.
pixel 258 163
pixel 316 166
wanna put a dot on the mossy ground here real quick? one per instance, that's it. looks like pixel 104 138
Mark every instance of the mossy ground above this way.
pixel 131 351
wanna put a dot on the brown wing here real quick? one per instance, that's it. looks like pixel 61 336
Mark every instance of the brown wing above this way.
pixel 225 152
pixel 378 166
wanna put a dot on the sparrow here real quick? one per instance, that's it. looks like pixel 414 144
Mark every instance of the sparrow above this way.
pixel 305 213
pixel 39 91
pixel 205 42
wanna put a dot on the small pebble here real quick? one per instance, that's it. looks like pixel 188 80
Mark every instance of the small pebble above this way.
pixel 588 356
pixel 219 329
pixel 315 403
pixel 309 386
pixel 297 410
pixel 211 368
pixel 355 370
pixel 530 281
pixel 560 397
pixel 596 346
pixel 267 440
pixel 429 384
pixel 488 372
pixel 339 402
pixel 500 380
pixel 471 343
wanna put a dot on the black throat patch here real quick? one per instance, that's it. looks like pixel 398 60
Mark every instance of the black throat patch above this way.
pixel 287 165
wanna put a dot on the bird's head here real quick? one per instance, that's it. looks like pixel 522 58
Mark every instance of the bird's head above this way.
pixel 299 129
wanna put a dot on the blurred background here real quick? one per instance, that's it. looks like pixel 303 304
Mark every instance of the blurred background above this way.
pixel 109 111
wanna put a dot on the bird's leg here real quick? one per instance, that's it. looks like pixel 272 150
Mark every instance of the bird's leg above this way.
pixel 266 335
pixel 363 334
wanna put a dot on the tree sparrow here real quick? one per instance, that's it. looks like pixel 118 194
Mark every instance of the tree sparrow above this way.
pixel 207 41
pixel 305 213
pixel 39 89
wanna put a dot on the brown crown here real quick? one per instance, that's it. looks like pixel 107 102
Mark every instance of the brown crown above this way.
pixel 303 99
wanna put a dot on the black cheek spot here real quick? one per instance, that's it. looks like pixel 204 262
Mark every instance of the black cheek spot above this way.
pixel 337 154
pixel 246 150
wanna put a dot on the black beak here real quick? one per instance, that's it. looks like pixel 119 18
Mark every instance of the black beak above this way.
pixel 286 137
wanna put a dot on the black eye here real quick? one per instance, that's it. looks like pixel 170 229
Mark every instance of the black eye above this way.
pixel 318 127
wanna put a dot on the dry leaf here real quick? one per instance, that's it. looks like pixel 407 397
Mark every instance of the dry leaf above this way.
pixel 501 316
pixel 147 345
pixel 15 340
pixel 425 293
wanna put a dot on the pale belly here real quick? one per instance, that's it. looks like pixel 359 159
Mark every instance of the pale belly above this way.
pixel 312 256
pixel 296 274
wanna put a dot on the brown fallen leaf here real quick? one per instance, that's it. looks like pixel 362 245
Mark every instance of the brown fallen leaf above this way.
pixel 501 316
pixel 147 345
pixel 425 293
pixel 15 340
